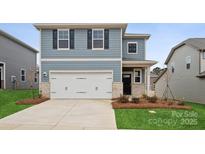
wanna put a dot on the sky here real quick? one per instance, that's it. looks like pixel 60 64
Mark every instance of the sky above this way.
pixel 163 36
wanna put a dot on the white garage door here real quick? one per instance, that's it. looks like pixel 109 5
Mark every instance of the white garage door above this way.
pixel 81 85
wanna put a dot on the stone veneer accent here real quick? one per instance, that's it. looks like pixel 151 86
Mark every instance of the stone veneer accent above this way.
pixel 117 89
pixel 138 89
pixel 45 89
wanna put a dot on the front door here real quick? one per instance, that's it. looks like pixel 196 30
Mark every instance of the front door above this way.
pixel 126 79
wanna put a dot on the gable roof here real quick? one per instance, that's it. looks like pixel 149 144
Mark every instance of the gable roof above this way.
pixel 12 38
pixel 197 43
pixel 79 25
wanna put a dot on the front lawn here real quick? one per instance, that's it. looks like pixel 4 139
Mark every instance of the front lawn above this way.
pixel 162 119
pixel 8 100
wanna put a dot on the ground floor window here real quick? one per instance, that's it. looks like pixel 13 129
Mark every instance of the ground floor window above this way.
pixel 36 77
pixel 23 75
pixel 137 75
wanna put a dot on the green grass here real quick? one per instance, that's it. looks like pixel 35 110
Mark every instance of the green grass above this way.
pixel 163 119
pixel 8 99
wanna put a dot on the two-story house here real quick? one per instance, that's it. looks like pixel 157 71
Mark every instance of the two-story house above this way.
pixel 185 73
pixel 92 61
pixel 18 63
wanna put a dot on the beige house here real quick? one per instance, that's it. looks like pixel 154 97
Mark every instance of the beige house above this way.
pixel 185 73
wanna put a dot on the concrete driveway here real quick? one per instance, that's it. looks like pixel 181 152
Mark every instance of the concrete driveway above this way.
pixel 63 114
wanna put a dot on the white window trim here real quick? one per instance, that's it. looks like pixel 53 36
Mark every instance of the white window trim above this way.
pixel 99 39
pixel 203 54
pixel 4 72
pixel 172 65
pixel 188 61
pixel 128 47
pixel 22 75
pixel 36 77
pixel 188 58
pixel 13 76
pixel 136 76
pixel 64 39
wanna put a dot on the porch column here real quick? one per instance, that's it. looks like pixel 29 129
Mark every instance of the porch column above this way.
pixel 148 81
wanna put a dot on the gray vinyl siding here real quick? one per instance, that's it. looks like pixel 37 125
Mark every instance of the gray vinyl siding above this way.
pixel 141 50
pixel 81 50
pixel 16 57
pixel 83 65
pixel 183 83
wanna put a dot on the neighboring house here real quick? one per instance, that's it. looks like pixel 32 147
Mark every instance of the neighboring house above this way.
pixel 185 73
pixel 17 60
pixel 153 77
pixel 92 61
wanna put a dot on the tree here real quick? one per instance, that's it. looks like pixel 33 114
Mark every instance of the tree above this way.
pixel 31 76
pixel 156 70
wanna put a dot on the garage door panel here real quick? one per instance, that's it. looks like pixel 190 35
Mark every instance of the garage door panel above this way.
pixel 81 85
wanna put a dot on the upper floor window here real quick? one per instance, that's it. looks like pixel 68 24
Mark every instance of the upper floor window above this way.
pixel 188 62
pixel 98 39
pixel 23 75
pixel 137 75
pixel 132 47
pixel 63 39
pixel 172 67
pixel 203 54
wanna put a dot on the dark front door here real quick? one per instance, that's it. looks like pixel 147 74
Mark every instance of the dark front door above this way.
pixel 126 79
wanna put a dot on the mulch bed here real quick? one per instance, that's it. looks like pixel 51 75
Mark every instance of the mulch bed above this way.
pixel 32 101
pixel 147 105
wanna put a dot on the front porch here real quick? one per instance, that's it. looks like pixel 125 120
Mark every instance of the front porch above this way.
pixel 136 77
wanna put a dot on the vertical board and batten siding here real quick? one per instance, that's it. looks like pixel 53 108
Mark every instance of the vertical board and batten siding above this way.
pixel 83 65
pixel 141 49
pixel 81 50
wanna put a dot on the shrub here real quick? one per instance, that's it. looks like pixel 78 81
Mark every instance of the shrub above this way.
pixel 180 103
pixel 135 100
pixel 40 94
pixel 122 99
pixel 152 99
pixel 144 96
pixel 170 103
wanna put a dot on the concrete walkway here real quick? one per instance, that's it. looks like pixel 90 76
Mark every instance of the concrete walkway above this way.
pixel 63 114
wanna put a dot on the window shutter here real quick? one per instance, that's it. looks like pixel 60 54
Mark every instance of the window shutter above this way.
pixel 89 39
pixel 106 39
pixel 55 38
pixel 72 39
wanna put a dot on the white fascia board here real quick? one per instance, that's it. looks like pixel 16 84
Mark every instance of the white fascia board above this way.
pixel 81 59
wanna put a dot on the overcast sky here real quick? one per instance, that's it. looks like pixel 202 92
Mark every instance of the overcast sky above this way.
pixel 163 36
